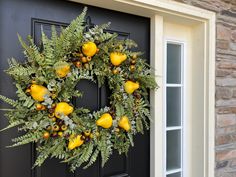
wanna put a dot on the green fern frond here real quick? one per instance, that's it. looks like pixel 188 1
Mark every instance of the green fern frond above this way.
pixel 25 139
pixel 48 50
pixel 93 158
pixel 13 124
pixel 27 101
pixel 32 52
pixel 9 101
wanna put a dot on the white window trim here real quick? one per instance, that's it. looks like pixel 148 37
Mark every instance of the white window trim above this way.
pixel 156 10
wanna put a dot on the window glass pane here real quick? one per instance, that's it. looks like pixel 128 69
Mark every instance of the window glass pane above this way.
pixel 175 175
pixel 173 106
pixel 174 63
pixel 173 149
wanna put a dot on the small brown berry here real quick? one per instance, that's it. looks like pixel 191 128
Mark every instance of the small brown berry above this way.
pixel 39 107
pixel 115 71
pixel 89 59
pixel 132 67
pixel 46 135
pixel 84 60
pixel 87 133
pixel 56 128
pixel 63 127
pixel 133 62
pixel 78 64
pixel 134 56
pixel 51 115
pixel 43 107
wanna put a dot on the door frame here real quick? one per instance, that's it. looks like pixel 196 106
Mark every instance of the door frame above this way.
pixel 158 11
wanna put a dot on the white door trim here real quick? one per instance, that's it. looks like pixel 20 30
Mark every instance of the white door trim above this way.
pixel 157 10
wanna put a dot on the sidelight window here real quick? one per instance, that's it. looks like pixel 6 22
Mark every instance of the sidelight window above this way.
pixel 174 119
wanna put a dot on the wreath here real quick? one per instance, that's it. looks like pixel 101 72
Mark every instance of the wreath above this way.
pixel 46 85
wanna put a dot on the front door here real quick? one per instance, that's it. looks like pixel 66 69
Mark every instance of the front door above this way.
pixel 27 17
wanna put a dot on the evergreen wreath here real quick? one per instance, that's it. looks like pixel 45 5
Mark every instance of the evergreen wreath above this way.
pixel 46 84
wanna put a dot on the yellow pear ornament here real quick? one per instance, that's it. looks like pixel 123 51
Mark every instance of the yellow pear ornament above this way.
pixel 75 142
pixel 62 69
pixel 131 86
pixel 105 121
pixel 117 58
pixel 63 108
pixel 38 92
pixel 124 123
pixel 89 49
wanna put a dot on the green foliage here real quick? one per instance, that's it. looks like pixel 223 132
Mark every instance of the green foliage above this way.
pixel 9 101
pixel 121 143
pixel 19 72
pixel 105 147
pixel 32 52
pixel 44 152
pixel 36 117
pixel 13 124
pixel 26 100
pixel 27 138
pixel 93 158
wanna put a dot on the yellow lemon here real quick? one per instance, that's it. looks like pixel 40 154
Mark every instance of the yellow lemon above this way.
pixel 131 86
pixel 105 121
pixel 89 49
pixel 75 142
pixel 117 58
pixel 38 92
pixel 124 123
pixel 63 108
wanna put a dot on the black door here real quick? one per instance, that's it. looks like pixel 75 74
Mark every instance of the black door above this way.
pixel 26 17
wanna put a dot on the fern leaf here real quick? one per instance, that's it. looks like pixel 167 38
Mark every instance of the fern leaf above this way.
pixel 93 159
pixel 25 139
pixel 9 101
pixel 28 101
pixel 32 52
pixel 13 124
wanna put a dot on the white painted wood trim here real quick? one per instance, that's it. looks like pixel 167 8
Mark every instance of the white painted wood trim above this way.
pixel 210 105
pixel 157 128
pixel 176 8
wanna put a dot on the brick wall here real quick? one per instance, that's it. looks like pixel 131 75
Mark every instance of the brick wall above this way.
pixel 225 139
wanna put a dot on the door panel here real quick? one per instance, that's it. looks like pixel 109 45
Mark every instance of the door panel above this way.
pixel 27 17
